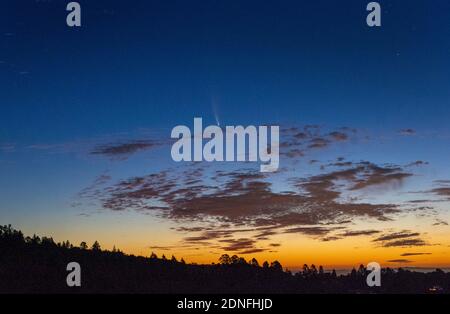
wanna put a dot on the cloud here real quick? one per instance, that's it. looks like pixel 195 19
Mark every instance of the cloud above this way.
pixel 376 175
pixel 341 164
pixel 407 132
pixel 445 182
pixel 319 142
pixel 238 244
pixel 313 231
pixel 215 206
pixel 330 238
pixel 417 163
pixel 252 251
pixel 401 239
pixel 122 150
pixel 163 248
pixel 402 261
pixel 440 222
pixel 7 148
pixel 397 235
pixel 93 191
pixel 300 136
pixel 405 243
pixel 293 153
pixel 366 174
pixel 298 141
pixel 443 191
pixel 338 136
pixel 356 233
pixel 80 147
pixel 245 201
pixel 414 254
pixel 266 233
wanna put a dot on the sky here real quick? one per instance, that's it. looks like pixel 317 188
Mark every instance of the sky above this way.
pixel 364 113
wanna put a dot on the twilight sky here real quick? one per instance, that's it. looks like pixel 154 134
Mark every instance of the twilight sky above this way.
pixel 364 113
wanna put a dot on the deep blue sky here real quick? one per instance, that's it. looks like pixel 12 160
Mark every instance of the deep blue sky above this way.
pixel 159 63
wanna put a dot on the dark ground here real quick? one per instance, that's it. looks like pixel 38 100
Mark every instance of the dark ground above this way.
pixel 38 265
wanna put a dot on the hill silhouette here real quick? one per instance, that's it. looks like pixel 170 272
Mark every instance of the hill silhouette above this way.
pixel 38 265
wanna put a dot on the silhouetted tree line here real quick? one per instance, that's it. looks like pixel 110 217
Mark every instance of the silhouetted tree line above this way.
pixel 38 265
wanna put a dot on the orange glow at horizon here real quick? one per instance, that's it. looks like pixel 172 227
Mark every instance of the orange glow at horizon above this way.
pixel 131 234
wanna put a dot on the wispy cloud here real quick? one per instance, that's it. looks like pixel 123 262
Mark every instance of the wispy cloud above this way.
pixel 123 150
pixel 401 261
pixel 414 254
pixel 405 243
pixel 407 132
pixel 397 235
pixel 357 233
pixel 7 148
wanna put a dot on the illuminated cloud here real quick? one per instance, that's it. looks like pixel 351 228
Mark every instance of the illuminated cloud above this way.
pixel 397 235
pixel 236 210
pixel 402 261
pixel 405 243
pixel 356 233
pixel 443 191
pixel 415 254
pixel 440 222
pixel 403 238
pixel 313 231
pixel 244 201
